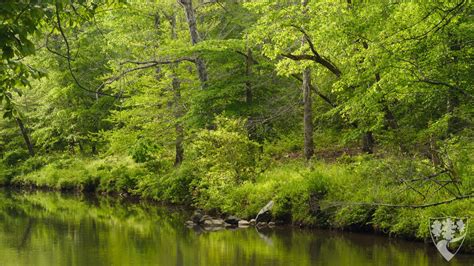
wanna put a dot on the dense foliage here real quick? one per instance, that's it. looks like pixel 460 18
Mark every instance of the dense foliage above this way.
pixel 345 113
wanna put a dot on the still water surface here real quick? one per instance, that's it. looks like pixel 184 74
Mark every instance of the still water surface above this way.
pixel 42 228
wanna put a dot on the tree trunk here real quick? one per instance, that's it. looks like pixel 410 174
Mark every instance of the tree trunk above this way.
pixel 251 130
pixel 454 122
pixel 308 115
pixel 178 110
pixel 24 133
pixel 368 142
pixel 178 113
pixel 389 117
pixel 193 31
pixel 172 20
pixel 308 110
pixel 248 73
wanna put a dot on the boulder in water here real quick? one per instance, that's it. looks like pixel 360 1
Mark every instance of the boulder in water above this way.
pixel 232 220
pixel 205 218
pixel 265 215
pixel 243 223
pixel 197 216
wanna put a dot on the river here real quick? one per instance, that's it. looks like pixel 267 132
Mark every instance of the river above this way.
pixel 46 228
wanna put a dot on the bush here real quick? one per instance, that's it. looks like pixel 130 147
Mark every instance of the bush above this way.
pixel 5 174
pixel 108 175
pixel 223 158
pixel 144 150
pixel 14 157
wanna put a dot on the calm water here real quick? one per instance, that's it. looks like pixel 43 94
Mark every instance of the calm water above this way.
pixel 52 229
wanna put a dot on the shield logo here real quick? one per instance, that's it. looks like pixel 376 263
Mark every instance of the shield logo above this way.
pixel 448 233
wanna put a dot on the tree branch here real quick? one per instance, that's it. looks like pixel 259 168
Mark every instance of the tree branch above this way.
pixel 143 65
pixel 308 39
pixel 68 59
pixel 441 83
pixel 315 90
pixel 320 60
pixel 160 62
pixel 416 206
pixel 255 62
pixel 316 57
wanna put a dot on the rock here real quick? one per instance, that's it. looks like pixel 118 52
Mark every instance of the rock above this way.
pixel 252 222
pixel 205 218
pixel 265 215
pixel 190 223
pixel 279 222
pixel 226 225
pixel 244 223
pixel 213 223
pixel 262 224
pixel 197 216
pixel 207 223
pixel 232 220
pixel 218 222
pixel 271 224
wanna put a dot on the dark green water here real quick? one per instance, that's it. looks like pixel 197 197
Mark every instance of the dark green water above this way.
pixel 52 229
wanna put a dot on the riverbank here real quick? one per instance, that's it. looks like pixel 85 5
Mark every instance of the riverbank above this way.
pixel 345 194
pixel 51 228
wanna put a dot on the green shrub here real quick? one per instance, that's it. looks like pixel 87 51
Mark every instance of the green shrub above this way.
pixel 33 164
pixel 5 174
pixel 14 157
pixel 144 150
pixel 108 175
pixel 223 158
pixel 178 186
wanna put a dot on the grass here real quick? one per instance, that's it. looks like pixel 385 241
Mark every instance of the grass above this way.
pixel 113 174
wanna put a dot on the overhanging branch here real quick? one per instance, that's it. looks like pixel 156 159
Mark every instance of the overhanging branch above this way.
pixel 320 60
pixel 316 57
pixel 415 206
pixel 68 59
pixel 315 90
pixel 144 65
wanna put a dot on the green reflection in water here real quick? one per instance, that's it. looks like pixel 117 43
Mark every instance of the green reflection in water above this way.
pixel 52 229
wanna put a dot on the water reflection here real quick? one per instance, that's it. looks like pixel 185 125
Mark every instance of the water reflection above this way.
pixel 53 229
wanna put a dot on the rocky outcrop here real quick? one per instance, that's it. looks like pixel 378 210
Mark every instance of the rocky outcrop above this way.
pixel 196 217
pixel 265 214
pixel 213 222
pixel 232 220
pixel 203 222
pixel 244 223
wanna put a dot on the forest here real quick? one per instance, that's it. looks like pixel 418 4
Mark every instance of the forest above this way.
pixel 354 115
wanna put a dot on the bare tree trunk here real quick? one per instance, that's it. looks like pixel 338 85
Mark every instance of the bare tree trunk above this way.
pixel 389 117
pixel 368 142
pixel 193 31
pixel 172 20
pixel 249 95
pixel 452 102
pixel 308 115
pixel 178 110
pixel 248 73
pixel 308 111
pixel 24 133
pixel 178 113
pixel 454 122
